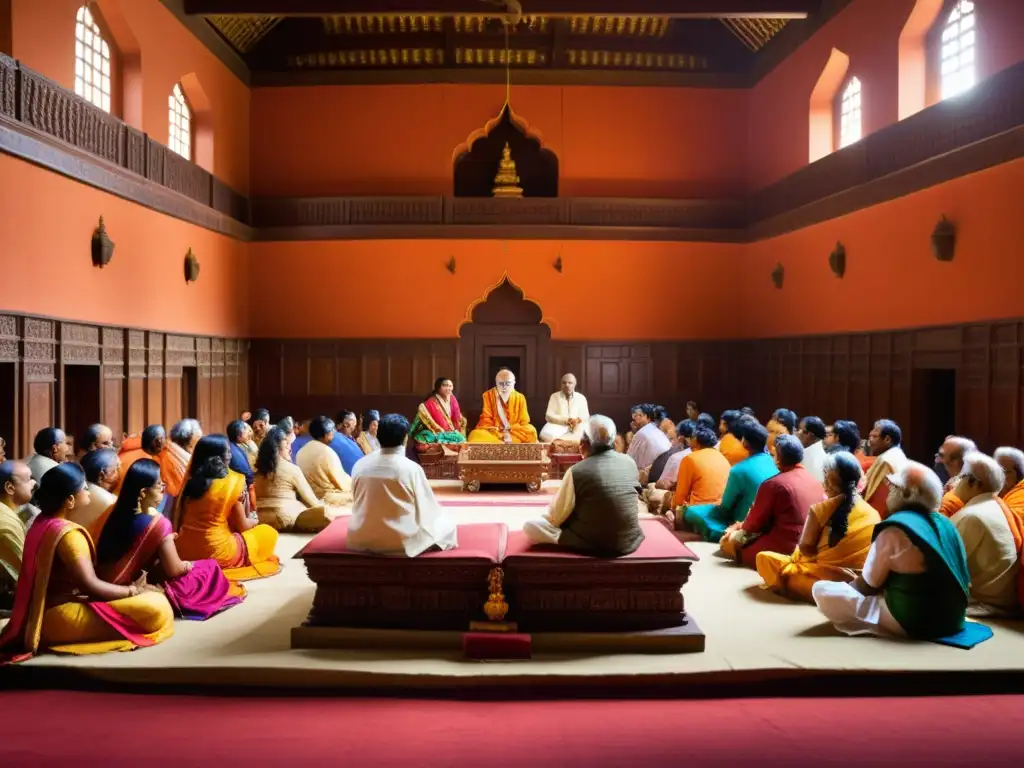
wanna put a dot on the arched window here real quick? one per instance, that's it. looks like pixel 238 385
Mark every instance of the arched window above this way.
pixel 956 61
pixel 180 134
pixel 92 61
pixel 850 114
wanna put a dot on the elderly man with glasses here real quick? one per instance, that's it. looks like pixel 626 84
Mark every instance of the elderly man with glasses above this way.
pixel 505 418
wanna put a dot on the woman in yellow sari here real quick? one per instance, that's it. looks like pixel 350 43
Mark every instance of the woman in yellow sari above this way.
pixel 210 517
pixel 835 540
pixel 60 603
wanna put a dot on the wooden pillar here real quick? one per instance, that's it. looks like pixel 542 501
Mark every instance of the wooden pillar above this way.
pixel 218 397
pixel 204 392
pixel 39 361
pixel 112 358
pixel 135 385
pixel 156 380
pixel 244 378
pixel 179 353
pixel 232 374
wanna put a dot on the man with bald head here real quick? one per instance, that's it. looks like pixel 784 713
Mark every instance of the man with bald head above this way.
pixel 16 488
pixel 951 456
pixel 505 418
pixel 595 510
pixel 567 413
pixel 915 579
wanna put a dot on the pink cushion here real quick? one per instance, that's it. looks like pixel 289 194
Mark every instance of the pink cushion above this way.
pixel 477 541
pixel 659 544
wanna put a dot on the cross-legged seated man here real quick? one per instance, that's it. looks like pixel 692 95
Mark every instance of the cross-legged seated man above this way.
pixel 394 511
pixel 915 580
pixel 885 442
pixel 567 413
pixel 1012 494
pixel 322 467
pixel 777 518
pixel 595 509
pixel 505 418
pixel 701 478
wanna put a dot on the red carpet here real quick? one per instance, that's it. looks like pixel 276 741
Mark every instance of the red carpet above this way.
pixel 72 728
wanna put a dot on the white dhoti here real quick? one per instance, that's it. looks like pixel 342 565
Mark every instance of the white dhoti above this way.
pixel 552 432
pixel 560 410
pixel 853 613
pixel 541 532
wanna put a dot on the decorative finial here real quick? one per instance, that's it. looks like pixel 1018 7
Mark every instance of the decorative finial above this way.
pixel 506 183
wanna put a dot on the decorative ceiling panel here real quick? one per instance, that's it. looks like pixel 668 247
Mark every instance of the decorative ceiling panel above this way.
pixel 755 33
pixel 243 32
pixel 626 26
pixel 371 57
pixel 380 24
pixel 496 57
pixel 683 62
pixel 478 24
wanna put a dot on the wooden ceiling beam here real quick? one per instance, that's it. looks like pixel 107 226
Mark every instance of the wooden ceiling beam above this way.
pixel 779 9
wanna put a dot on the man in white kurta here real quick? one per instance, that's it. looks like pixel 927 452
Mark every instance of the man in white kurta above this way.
pixel 992 556
pixel 394 511
pixel 649 442
pixel 812 436
pixel 567 413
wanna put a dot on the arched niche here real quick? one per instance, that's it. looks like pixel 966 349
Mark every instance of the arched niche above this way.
pixel 504 329
pixel 476 161
pixel 202 121
pixel 822 107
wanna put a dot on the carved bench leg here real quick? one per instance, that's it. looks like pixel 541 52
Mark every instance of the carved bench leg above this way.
pixel 472 486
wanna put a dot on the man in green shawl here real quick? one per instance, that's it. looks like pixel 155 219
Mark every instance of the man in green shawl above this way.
pixel 915 581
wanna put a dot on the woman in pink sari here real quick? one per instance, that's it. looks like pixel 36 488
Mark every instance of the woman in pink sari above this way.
pixel 136 539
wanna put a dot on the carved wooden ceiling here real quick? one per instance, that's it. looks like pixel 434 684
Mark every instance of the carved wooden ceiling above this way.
pixel 290 39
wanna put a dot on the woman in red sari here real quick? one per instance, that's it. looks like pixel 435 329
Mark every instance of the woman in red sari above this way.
pixel 138 539
pixel 60 604
pixel 439 418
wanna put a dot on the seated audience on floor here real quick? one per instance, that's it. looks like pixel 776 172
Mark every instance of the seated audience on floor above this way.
pixel 50 448
pixel 301 437
pixel 184 436
pixel 991 536
pixel 439 418
pixel 711 520
pixel 950 457
pixel 711 423
pixel 812 436
pixel 703 475
pixel 505 417
pixel 566 415
pixel 367 439
pixel 344 443
pixel 287 425
pixel 779 513
pixel 915 578
pixel 394 511
pixel 153 444
pixel 103 474
pixel 285 500
pixel 620 443
pixel 692 410
pixel 1012 493
pixel 782 422
pixel 664 472
pixel 648 441
pixel 60 604
pixel 595 509
pixel 885 443
pixel 16 489
pixel 835 540
pixel 730 443
pixel 240 436
pixel 665 423
pixel 96 437
pixel 137 540
pixel 209 516
pixel 321 466
pixel 259 424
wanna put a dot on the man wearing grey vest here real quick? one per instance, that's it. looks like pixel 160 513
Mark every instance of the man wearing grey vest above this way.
pixel 595 510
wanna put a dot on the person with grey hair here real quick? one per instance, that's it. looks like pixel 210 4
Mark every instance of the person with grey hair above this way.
pixel 915 581
pixel 185 434
pixel 566 415
pixel 779 512
pixel 595 511
pixel 1012 462
pixel 993 557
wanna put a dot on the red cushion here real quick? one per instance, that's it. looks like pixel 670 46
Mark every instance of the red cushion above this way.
pixel 659 544
pixel 477 541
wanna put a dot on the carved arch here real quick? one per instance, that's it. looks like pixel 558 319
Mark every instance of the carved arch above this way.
pixel 504 303
pixel 822 140
pixel 475 161
pixel 200 106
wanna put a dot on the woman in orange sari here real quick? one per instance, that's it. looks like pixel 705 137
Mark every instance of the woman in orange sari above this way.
pixel 210 517
pixel 136 539
pixel 60 603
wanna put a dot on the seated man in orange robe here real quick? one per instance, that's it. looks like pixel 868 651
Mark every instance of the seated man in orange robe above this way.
pixel 153 444
pixel 505 418
pixel 1012 462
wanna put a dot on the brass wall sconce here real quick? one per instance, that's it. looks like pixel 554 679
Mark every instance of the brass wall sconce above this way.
pixel 102 246
pixel 837 260
pixel 778 275
pixel 450 266
pixel 558 265
pixel 944 240
pixel 191 267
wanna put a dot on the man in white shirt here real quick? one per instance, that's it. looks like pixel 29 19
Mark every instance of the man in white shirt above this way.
pixel 394 511
pixel 567 413
pixel 103 473
pixel 885 442
pixel 992 556
pixel 649 442
pixel 812 436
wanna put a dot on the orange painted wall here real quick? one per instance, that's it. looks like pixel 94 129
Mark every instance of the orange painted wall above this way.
pixel 394 140
pixel 48 225
pixel 44 40
pixel 388 289
pixel 892 279
pixel 868 31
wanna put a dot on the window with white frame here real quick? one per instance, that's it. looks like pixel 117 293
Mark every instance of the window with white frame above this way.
pixel 850 114
pixel 92 61
pixel 958 50
pixel 180 135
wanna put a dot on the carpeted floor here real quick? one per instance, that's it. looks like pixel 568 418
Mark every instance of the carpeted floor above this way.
pixel 752 635
pixel 75 729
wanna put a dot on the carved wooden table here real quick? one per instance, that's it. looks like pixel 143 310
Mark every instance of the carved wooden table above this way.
pixel 526 463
